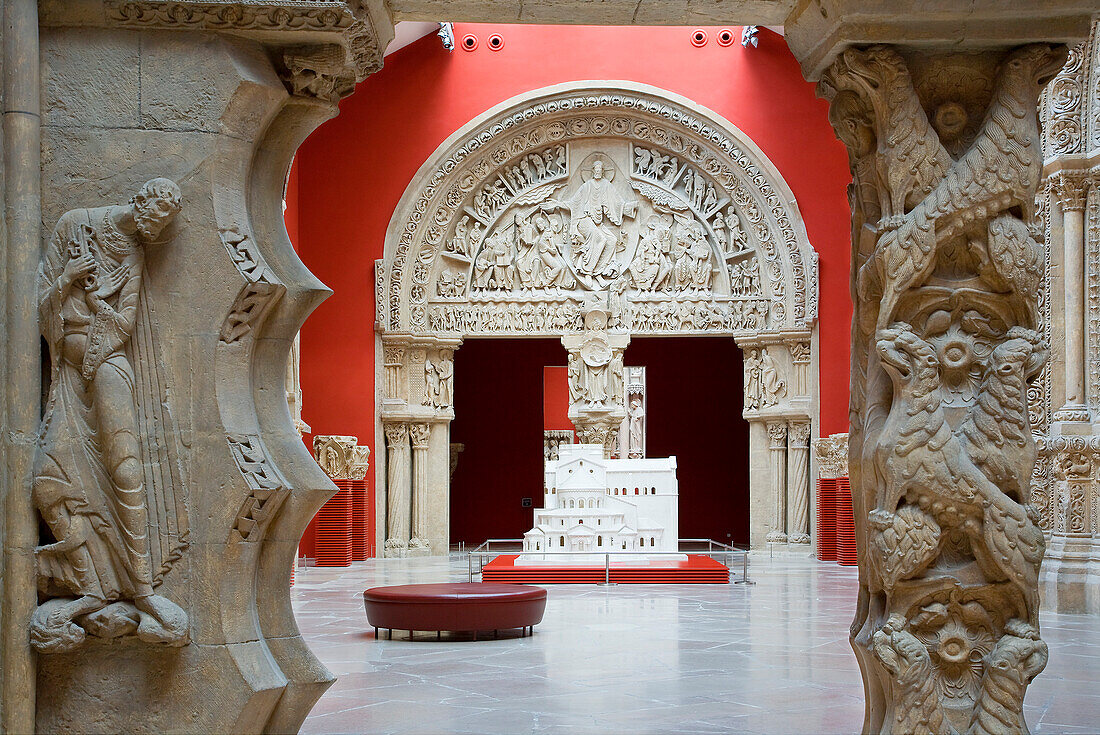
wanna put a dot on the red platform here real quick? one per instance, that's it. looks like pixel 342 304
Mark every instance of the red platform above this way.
pixel 696 570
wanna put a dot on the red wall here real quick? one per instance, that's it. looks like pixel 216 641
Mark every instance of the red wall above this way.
pixel 555 398
pixel 354 169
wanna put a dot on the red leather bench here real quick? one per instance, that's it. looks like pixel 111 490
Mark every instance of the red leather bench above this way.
pixel 462 606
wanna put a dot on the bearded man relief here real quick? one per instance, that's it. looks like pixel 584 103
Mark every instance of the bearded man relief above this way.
pixel 107 480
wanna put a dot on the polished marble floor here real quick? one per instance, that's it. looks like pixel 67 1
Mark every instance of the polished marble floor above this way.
pixel 631 659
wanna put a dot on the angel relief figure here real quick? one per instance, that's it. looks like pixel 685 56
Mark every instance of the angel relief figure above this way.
pixel 106 475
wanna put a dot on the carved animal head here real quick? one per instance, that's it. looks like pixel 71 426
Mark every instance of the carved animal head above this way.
pixel 1018 359
pixel 905 657
pixel 1019 655
pixel 905 355
pixel 1033 65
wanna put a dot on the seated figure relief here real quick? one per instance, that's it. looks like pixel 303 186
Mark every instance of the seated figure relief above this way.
pixel 570 220
pixel 106 475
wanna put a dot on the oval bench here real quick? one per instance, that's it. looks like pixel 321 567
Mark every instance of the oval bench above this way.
pixel 460 607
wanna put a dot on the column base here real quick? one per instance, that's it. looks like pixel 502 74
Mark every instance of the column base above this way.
pixel 419 547
pixel 798 538
pixel 1069 581
pixel 395 549
pixel 1072 413
pixel 776 537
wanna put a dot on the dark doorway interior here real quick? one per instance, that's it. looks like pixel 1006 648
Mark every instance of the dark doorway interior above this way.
pixel 694 412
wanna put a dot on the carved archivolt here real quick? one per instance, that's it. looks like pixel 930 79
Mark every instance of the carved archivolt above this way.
pixel 528 212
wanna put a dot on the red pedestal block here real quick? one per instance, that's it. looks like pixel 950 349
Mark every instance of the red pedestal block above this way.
pixel 845 525
pixel 826 519
pixel 334 528
pixel 360 543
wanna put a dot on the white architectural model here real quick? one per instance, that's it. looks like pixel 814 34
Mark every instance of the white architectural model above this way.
pixel 593 506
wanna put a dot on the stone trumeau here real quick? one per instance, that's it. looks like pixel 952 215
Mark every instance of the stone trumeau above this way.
pixel 169 482
pixel 946 156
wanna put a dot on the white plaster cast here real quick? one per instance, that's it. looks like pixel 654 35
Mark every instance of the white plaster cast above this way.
pixel 594 506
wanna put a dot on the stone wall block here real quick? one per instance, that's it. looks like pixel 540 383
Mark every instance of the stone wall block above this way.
pixel 99 89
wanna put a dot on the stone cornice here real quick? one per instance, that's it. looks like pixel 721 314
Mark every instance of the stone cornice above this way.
pixel 361 28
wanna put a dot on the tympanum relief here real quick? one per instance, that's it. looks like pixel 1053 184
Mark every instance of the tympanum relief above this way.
pixel 591 216
pixel 108 482
pixel 610 191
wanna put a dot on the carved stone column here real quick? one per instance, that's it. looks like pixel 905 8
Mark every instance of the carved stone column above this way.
pixel 1071 191
pixel 597 380
pixel 398 489
pixel 800 359
pixel 777 451
pixel 946 157
pixel 419 544
pixel 798 482
pixel 1069 574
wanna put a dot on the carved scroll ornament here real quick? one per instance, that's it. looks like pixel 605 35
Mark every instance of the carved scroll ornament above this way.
pixel 108 482
pixel 944 347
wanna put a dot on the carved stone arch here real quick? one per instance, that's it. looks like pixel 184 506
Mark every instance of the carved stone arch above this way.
pixel 609 197
pixel 483 187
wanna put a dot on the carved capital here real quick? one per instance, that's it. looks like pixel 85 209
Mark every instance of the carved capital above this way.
pixel 341 457
pixel 798 433
pixel 420 434
pixel 832 456
pixel 320 72
pixel 334 454
pixel 777 434
pixel 800 352
pixel 397 433
pixel 393 355
pixel 1070 189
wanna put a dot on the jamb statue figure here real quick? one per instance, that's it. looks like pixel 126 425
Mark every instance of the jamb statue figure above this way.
pixel 107 454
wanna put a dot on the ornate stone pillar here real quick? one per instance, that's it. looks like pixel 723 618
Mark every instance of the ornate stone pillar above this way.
pixel 800 359
pixel 294 386
pixel 1071 190
pixel 949 557
pixel 798 482
pixel 597 380
pixel 398 489
pixel 777 451
pixel 419 543
pixel 188 464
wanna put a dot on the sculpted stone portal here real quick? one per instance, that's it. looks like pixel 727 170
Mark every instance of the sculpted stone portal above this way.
pixel 118 522
pixel 594 214
pixel 945 154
